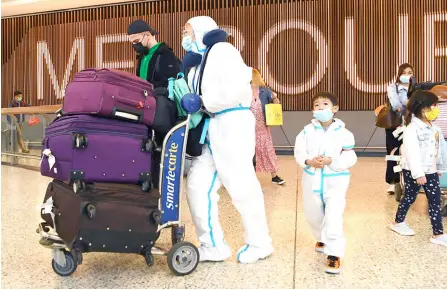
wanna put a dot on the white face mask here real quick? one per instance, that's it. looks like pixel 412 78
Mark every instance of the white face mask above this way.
pixel 187 42
pixel 405 79
pixel 323 115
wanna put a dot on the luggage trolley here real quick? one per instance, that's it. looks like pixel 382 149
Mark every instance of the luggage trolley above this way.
pixel 183 257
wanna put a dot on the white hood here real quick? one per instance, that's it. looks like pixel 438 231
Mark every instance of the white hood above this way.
pixel 201 25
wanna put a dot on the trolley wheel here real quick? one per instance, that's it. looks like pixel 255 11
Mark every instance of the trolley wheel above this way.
pixel 147 186
pixel 78 186
pixel 398 192
pixel 183 258
pixel 68 269
pixel 149 258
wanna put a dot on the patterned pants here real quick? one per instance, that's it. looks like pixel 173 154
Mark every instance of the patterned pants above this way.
pixel 433 192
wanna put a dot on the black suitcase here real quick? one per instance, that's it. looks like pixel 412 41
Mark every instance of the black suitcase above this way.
pixel 103 218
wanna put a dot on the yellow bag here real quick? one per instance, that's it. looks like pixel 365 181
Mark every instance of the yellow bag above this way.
pixel 273 115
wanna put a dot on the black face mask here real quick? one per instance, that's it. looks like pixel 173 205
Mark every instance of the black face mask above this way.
pixel 140 48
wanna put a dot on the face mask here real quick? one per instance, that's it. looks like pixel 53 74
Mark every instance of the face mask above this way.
pixel 323 115
pixel 187 43
pixel 19 99
pixel 140 48
pixel 405 79
pixel 432 114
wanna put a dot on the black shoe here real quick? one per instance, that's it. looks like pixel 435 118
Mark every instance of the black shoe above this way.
pixel 278 180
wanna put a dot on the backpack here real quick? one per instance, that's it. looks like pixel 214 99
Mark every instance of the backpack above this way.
pixel 177 88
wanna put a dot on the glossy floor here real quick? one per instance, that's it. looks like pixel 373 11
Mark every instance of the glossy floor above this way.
pixel 376 257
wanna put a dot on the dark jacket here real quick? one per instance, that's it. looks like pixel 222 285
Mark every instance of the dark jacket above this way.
pixel 163 65
pixel 14 104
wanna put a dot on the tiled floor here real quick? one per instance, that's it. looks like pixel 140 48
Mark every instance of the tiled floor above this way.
pixel 376 257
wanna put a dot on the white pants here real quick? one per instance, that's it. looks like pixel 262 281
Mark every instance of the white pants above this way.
pixel 227 160
pixel 324 209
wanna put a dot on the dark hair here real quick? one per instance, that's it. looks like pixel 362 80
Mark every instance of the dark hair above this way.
pixel 326 95
pixel 401 70
pixel 16 93
pixel 419 101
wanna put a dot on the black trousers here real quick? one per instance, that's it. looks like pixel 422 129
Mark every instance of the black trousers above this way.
pixel 391 177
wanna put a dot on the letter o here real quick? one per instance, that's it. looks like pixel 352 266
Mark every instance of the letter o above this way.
pixel 321 66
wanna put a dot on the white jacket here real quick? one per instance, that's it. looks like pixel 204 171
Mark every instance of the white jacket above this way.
pixel 226 79
pixel 419 145
pixel 336 142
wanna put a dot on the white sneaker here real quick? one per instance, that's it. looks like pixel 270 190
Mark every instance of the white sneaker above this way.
pixel 214 254
pixel 249 254
pixel 402 229
pixel 391 188
pixel 441 240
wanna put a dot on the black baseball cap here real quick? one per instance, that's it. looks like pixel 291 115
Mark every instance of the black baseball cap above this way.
pixel 139 26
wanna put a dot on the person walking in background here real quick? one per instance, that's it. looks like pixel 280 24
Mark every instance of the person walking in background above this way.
pixel 156 64
pixel 18 102
pixel 424 157
pixel 397 95
pixel 265 156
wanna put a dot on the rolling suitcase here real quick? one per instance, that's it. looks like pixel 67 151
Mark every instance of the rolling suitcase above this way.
pixel 103 218
pixel 87 149
pixel 110 93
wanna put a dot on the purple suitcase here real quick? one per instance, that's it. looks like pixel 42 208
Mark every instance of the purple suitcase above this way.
pixel 110 93
pixel 89 149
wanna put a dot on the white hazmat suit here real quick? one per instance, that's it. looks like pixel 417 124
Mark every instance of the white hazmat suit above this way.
pixel 227 154
pixel 324 189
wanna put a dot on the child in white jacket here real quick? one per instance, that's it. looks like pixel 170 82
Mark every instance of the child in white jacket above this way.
pixel 424 157
pixel 325 150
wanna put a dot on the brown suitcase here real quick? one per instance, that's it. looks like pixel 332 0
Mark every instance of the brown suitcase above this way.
pixel 104 217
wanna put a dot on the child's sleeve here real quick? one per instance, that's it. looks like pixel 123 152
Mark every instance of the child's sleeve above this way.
pixel 443 147
pixel 300 151
pixel 347 158
pixel 412 152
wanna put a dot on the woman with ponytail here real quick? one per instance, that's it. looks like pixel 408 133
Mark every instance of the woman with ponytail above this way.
pixel 424 159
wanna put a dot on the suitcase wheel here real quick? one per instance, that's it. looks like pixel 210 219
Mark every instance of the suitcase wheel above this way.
pixel 78 186
pixel 183 258
pixel 90 209
pixel 149 258
pixel 147 186
pixel 68 269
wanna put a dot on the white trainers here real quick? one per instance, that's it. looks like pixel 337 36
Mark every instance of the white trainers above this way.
pixel 249 254
pixel 402 229
pixel 391 189
pixel 441 240
pixel 214 254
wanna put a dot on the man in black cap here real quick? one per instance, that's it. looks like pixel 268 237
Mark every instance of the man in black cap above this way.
pixel 156 60
pixel 156 64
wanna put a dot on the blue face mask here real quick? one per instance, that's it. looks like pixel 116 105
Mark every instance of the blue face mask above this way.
pixel 323 115
pixel 187 42
pixel 405 79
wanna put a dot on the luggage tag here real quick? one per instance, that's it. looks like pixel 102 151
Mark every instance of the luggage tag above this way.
pixel 51 159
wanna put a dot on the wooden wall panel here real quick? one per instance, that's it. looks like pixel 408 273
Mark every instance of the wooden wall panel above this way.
pixel 349 47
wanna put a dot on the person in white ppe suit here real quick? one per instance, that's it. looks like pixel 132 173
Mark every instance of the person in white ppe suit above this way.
pixel 229 146
pixel 324 148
